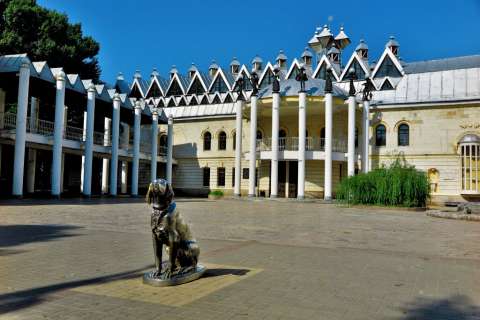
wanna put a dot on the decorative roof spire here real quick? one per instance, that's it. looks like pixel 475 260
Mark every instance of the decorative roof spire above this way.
pixel 137 74
pixel 120 76
pixel 342 40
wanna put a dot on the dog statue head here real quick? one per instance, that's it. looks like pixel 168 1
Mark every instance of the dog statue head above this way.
pixel 160 194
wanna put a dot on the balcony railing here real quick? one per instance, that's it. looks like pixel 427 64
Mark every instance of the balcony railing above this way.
pixel 46 128
pixel 311 144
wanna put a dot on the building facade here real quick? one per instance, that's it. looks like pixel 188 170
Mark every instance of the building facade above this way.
pixel 256 130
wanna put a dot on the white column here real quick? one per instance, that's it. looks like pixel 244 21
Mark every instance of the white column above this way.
pixel 136 147
pixel 58 135
pixel 275 129
pixel 366 136
pixel 351 136
pixel 115 138
pixel 84 139
pixel 123 188
pixel 105 164
pixel 238 148
pixel 31 164
pixel 302 136
pixel 170 148
pixel 20 128
pixel 153 158
pixel 88 156
pixel 328 145
pixel 253 147
pixel 62 171
pixel 33 114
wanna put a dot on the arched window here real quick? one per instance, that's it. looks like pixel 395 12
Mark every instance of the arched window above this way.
pixel 470 156
pixel 207 141
pixel 222 141
pixel 259 135
pixel 380 135
pixel 234 140
pixel 403 135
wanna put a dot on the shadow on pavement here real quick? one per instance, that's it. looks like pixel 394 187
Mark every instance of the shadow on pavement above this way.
pixel 18 234
pixel 26 298
pixel 85 201
pixel 224 272
pixel 457 307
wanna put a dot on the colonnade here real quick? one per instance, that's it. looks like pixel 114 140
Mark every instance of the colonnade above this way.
pixel 302 111
pixel 110 168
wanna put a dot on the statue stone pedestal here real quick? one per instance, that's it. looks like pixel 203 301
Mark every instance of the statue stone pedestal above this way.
pixel 180 277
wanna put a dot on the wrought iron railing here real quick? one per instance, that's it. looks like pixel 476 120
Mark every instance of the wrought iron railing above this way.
pixel 73 133
pixel 311 144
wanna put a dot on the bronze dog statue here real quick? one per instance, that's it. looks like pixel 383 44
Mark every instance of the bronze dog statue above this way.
pixel 169 229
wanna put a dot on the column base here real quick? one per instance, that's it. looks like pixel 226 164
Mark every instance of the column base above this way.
pixel 328 199
pixel 55 196
pixel 273 196
pixel 301 198
pixel 86 196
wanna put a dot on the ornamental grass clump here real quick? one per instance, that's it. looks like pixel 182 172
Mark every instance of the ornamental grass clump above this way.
pixel 399 184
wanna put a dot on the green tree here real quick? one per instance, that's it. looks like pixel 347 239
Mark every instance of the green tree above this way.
pixel 47 35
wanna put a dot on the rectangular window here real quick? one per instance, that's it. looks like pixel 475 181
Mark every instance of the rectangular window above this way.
pixel 206 177
pixel 233 177
pixel 245 173
pixel 221 177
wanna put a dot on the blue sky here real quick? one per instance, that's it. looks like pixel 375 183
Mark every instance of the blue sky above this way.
pixel 144 34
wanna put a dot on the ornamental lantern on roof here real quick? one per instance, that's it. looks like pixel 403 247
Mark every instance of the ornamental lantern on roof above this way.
pixel 281 60
pixel 257 63
pixel 234 66
pixel 393 45
pixel 362 50
pixel 173 71
pixel 307 57
pixel 192 70
pixel 212 70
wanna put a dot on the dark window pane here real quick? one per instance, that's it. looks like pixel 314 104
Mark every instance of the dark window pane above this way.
pixel 387 69
pixel 222 141
pixel 206 177
pixel 380 136
pixel 403 135
pixel 207 141
pixel 234 141
pixel 233 177
pixel 221 177
pixel 245 173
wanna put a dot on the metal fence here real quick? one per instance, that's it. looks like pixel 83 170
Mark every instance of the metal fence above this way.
pixel 311 144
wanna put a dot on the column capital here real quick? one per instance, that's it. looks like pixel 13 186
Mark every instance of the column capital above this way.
pixel 116 97
pixel 138 104
pixel 60 76
pixel 91 87
pixel 170 119
pixel 25 63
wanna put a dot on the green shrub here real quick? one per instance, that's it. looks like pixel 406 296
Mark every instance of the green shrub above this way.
pixel 216 193
pixel 399 184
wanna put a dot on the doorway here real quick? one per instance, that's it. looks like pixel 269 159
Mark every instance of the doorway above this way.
pixel 287 179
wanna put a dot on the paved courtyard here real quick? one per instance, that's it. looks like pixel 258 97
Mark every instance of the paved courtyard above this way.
pixel 74 259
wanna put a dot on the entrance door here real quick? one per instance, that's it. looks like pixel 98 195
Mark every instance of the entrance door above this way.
pixel 292 179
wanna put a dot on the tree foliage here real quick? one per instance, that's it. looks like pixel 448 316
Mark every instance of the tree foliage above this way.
pixel 400 184
pixel 47 35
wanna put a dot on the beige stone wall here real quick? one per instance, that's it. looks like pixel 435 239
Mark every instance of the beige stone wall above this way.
pixel 434 135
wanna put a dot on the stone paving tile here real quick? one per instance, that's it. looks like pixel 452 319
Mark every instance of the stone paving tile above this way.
pixel 318 262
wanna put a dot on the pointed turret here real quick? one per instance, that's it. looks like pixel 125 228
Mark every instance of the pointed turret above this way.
pixel 257 63
pixel 307 57
pixel 235 66
pixel 342 40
